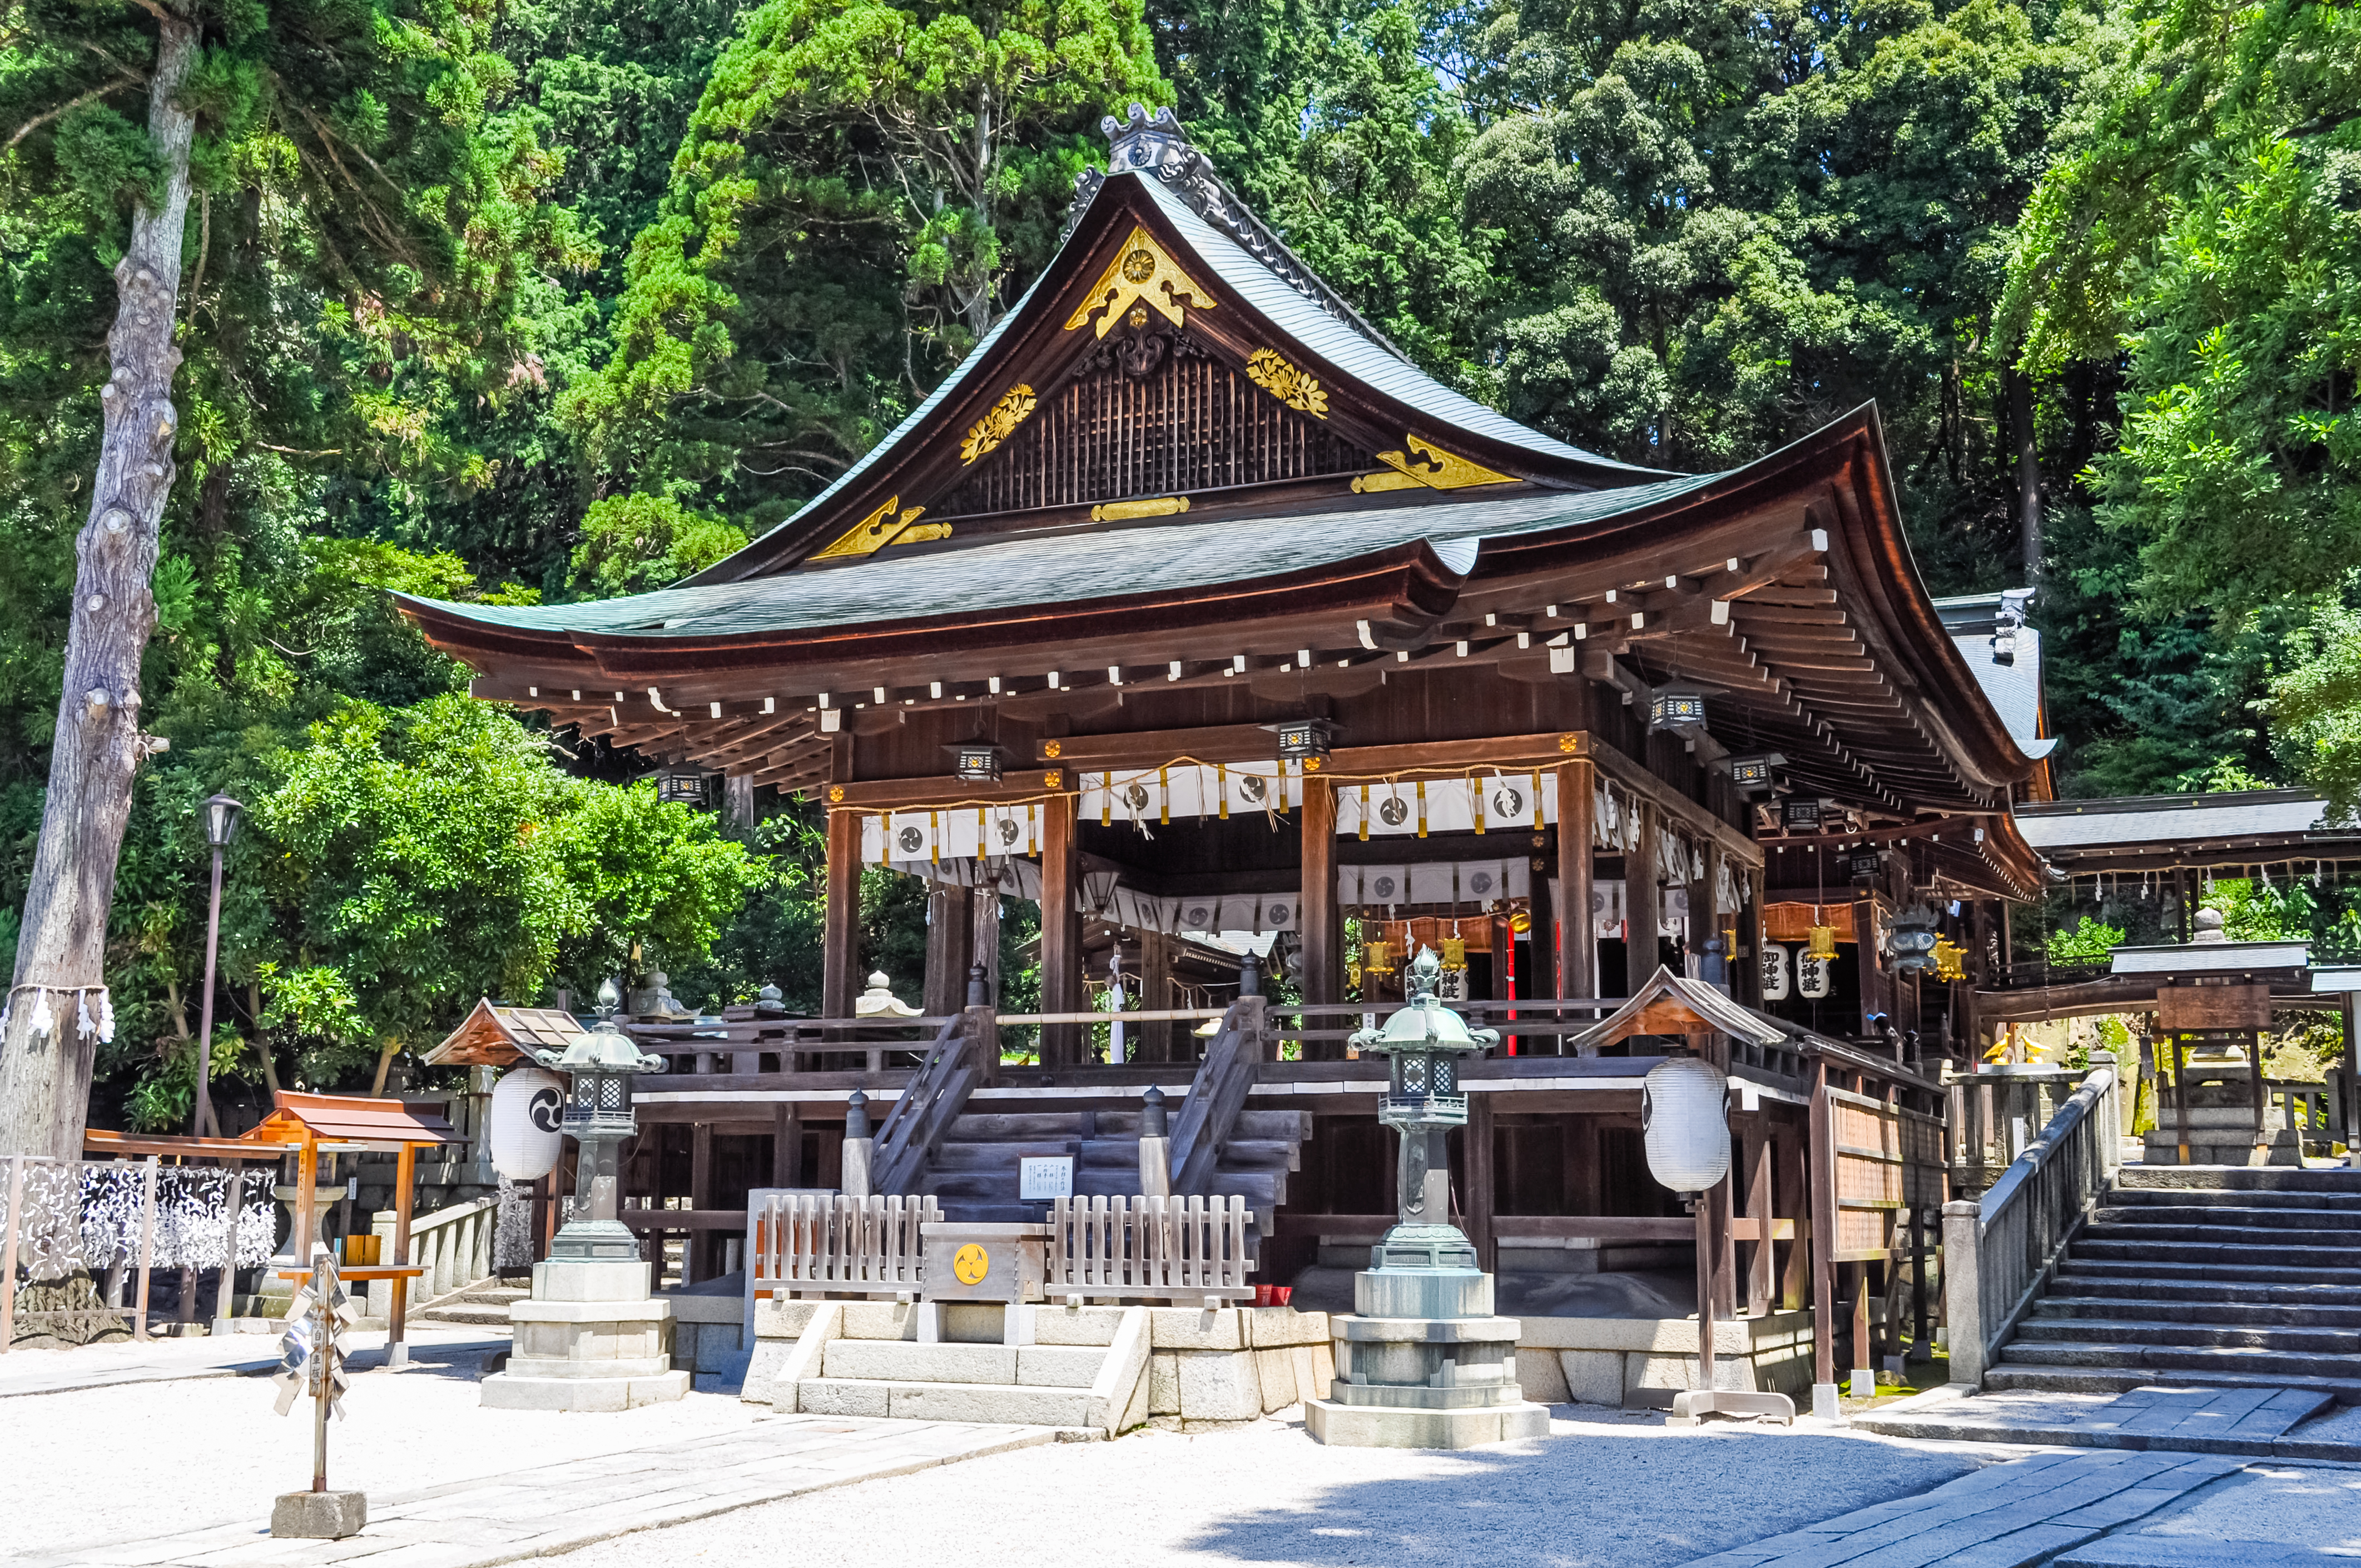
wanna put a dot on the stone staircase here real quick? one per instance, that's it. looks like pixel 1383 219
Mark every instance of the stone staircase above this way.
pixel 856 1358
pixel 2207 1276
pixel 974 1170
pixel 484 1304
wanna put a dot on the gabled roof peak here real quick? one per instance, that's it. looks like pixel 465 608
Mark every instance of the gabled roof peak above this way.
pixel 1156 145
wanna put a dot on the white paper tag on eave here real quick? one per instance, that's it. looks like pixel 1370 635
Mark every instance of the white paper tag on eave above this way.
pixel 1040 1178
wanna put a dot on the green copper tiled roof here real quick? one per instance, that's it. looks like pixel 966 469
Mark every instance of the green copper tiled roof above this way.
pixel 1070 568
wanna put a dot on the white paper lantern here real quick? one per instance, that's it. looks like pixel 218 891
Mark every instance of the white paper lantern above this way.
pixel 1813 976
pixel 1774 972
pixel 526 1102
pixel 1684 1122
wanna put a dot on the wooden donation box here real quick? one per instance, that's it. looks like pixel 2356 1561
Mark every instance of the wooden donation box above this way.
pixel 985 1262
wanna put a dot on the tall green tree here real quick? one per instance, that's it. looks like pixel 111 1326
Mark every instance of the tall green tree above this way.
pixel 857 190
pixel 317 203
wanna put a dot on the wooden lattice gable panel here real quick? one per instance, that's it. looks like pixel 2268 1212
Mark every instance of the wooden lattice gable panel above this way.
pixel 1163 365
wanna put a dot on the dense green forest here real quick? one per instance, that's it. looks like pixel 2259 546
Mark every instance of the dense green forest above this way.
pixel 561 299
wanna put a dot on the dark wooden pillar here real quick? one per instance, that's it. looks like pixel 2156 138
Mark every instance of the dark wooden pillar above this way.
pixel 1476 1204
pixel 1642 907
pixel 1705 920
pixel 1819 1182
pixel 1577 935
pixel 1061 933
pixel 984 942
pixel 786 1146
pixel 951 943
pixel 1155 1040
pixel 1746 962
pixel 694 1264
pixel 1762 1281
pixel 841 935
pixel 1865 950
pixel 1320 922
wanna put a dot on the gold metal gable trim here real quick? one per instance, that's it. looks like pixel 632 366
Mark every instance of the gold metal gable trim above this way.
pixel 1432 467
pixel 1141 271
pixel 880 528
pixel 1014 407
pixel 1290 386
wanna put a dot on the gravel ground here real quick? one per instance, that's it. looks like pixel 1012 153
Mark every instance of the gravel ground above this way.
pixel 138 1460
pixel 1603 1489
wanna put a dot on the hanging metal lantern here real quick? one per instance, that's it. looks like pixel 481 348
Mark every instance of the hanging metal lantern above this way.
pixel 978 762
pixel 1774 972
pixel 1910 939
pixel 1815 977
pixel 1824 942
pixel 1950 960
pixel 1300 738
pixel 526 1104
pixel 1685 1124
pixel 1377 957
pixel 1455 954
pixel 1750 773
pixel 681 787
pixel 1676 708
pixel 1801 815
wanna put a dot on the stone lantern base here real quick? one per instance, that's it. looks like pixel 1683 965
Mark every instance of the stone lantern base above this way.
pixel 1422 1363
pixel 591 1338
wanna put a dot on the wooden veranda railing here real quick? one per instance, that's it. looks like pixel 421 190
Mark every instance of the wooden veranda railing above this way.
pixel 2000 1250
pixel 1232 1062
pixel 1153 1248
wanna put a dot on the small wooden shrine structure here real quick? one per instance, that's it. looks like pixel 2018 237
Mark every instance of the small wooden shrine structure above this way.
pixel 1188 604
pixel 497 1033
pixel 309 1125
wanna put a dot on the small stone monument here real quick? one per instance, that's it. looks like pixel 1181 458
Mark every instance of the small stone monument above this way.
pixel 1421 1362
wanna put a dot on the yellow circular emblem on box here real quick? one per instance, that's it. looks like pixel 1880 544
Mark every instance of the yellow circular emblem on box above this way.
pixel 971 1263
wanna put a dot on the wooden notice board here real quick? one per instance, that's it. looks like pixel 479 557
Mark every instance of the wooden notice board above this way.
pixel 1865 1169
pixel 2186 1008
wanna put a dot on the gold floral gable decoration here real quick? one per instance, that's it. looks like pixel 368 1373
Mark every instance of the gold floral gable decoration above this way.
pixel 1141 272
pixel 1290 386
pixel 1014 407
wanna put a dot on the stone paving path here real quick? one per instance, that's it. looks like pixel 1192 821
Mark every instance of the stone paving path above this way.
pixel 513 1514
pixel 2010 1516
pixel 2257 1422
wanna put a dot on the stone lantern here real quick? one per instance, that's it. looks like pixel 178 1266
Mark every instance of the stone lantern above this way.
pixel 592 1337
pixel 1421 1362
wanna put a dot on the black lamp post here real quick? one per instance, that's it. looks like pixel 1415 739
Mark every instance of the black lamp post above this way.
pixel 221 825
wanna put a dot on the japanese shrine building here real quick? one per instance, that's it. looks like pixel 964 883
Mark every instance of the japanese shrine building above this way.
pixel 1578 716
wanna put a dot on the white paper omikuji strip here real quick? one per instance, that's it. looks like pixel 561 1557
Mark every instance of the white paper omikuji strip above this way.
pixel 192 1217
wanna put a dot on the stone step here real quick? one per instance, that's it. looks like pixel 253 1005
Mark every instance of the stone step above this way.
pixel 2246 1216
pixel 2227 1233
pixel 907 1361
pixel 2176 1358
pixel 2256 1178
pixel 983 1402
pixel 2131 1264
pixel 2242 1260
pixel 2007 1376
pixel 2145 1198
pixel 473 1317
pixel 2041 1329
pixel 2066 1299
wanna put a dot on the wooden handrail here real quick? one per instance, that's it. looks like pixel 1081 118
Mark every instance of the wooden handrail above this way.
pixel 930 1102
pixel 1232 1062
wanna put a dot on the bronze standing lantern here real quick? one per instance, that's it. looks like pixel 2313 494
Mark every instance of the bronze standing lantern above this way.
pixel 600 1065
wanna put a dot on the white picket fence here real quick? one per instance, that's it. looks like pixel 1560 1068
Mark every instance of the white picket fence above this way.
pixel 1167 1248
pixel 818 1243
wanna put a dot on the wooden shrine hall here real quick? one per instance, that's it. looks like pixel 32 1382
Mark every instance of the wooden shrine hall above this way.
pixel 1189 605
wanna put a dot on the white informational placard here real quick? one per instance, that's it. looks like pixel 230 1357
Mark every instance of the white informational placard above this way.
pixel 1038 1179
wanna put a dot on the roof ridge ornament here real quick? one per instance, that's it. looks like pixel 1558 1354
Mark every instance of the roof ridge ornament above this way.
pixel 1156 144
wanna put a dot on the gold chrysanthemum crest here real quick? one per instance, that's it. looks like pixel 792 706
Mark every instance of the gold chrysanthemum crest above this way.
pixel 1290 386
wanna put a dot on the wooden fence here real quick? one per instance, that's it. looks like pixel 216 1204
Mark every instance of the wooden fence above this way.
pixel 828 1242
pixel 1160 1248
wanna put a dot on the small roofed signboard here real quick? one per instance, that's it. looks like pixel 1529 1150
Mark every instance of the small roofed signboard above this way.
pixel 1040 1178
